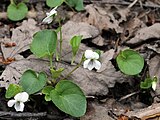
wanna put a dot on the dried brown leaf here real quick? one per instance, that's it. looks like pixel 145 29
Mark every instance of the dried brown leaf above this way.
pixel 103 19
pixel 146 33
pixel 96 111
pixel 146 113
pixel 22 37
pixel 13 71
pixel 71 29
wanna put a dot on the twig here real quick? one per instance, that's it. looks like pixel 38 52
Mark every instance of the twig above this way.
pixel 22 115
pixel 4 115
pixel 118 3
pixel 146 113
pixel 129 95
pixel 133 3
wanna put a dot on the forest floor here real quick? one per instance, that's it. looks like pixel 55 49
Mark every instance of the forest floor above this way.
pixel 106 25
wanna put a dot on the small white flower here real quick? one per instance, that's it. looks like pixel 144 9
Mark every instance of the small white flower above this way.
pixel 18 101
pixel 49 17
pixel 154 85
pixel 92 60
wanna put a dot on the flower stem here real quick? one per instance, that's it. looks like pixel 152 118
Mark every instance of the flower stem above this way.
pixel 82 59
pixel 73 58
pixel 51 62
pixel 69 6
pixel 61 40
pixel 12 2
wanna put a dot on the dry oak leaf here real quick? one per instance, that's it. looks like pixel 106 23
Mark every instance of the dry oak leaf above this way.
pixel 103 18
pixel 14 71
pixel 96 111
pixel 22 37
pixel 145 113
pixel 146 33
pixel 71 29
pixel 154 47
pixel 130 28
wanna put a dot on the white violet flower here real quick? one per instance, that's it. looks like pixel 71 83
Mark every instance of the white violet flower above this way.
pixel 18 101
pixel 49 17
pixel 92 60
pixel 154 85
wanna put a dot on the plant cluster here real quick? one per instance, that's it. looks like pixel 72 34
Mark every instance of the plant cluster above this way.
pixel 22 9
pixel 66 95
pixel 131 62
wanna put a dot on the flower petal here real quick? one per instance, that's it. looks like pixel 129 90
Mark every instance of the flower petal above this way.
pixel 53 11
pixel 96 55
pixel 89 54
pixel 90 65
pixel 22 97
pixel 47 19
pixel 154 85
pixel 19 106
pixel 97 64
pixel 11 103
pixel 86 62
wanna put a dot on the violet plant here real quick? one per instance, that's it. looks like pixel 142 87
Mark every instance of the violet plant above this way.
pixel 131 62
pixel 65 94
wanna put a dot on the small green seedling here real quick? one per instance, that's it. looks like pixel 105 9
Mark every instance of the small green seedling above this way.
pixel 149 82
pixel 46 91
pixel 75 43
pixel 16 12
pixel 130 62
pixel 77 4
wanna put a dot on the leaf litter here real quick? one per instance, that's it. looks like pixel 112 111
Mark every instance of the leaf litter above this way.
pixel 130 29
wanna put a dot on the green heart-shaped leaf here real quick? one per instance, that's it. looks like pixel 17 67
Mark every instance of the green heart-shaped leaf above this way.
pixel 32 82
pixel 54 3
pixel 130 62
pixel 12 90
pixel 17 12
pixel 78 4
pixel 44 43
pixel 69 98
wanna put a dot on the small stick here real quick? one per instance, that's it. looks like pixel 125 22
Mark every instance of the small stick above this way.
pixel 22 115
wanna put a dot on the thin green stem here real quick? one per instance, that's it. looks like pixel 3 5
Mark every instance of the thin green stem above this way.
pixel 73 58
pixel 82 59
pixel 51 62
pixel 61 40
pixel 57 55
pixel 12 2
pixel 69 6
